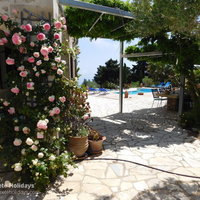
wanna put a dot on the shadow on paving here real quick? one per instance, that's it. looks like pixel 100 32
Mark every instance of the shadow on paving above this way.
pixel 140 128
pixel 170 189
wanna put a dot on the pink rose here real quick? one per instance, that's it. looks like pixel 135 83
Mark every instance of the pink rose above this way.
pixel 43 71
pixel 4 17
pixel 21 68
pixel 65 27
pixel 16 39
pixel 41 36
pixel 55 44
pixel 46 58
pixel 23 38
pixel 22 50
pixel 56 36
pixel 44 51
pixel 5 103
pixel 57 59
pixel 30 85
pixel 50 49
pixel 26 130
pixel 39 62
pixel 37 74
pixel 15 90
pixel 6 33
pixel 58 25
pixel 56 110
pixel 31 59
pixel 40 135
pixel 14 11
pixel 23 26
pixel 62 99
pixel 36 54
pixel 10 61
pixel 17 142
pixel 32 44
pixel 28 27
pixel 5 41
pixel 16 128
pixel 11 110
pixel 23 73
pixel 51 98
pixel 1 42
pixel 85 117
pixel 42 124
pixel 46 26
pixel 59 72
pixel 34 147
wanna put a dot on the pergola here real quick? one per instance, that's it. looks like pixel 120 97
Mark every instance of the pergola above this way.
pixel 125 14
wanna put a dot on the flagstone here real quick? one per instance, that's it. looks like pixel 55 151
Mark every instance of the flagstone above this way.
pixel 140 186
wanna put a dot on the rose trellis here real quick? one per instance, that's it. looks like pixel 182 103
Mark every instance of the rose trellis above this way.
pixel 35 111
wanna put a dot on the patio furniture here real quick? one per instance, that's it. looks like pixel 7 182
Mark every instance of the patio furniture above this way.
pixel 157 97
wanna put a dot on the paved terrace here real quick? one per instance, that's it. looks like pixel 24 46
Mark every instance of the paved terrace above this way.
pixel 145 135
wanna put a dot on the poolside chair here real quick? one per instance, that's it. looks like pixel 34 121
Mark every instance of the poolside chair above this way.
pixel 94 90
pixel 156 97
pixel 167 85
pixel 160 85
pixel 103 90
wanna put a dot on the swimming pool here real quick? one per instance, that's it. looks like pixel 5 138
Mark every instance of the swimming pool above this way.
pixel 139 90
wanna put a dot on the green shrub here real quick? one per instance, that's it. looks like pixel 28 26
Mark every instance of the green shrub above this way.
pixel 147 81
pixel 135 84
pixel 110 85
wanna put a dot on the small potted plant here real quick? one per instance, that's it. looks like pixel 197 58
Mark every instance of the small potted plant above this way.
pixel 95 140
pixel 78 141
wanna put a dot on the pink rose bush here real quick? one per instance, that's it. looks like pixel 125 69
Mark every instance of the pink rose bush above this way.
pixel 42 124
pixel 41 101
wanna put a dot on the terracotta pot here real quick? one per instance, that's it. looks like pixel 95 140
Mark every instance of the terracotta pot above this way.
pixel 78 145
pixel 140 93
pixel 96 146
pixel 126 94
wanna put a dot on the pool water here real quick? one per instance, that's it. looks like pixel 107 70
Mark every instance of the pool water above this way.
pixel 143 90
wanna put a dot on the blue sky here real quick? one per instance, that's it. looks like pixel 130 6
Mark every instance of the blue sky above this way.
pixel 95 53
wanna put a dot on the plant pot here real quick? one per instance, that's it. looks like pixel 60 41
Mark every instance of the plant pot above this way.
pixel 96 146
pixel 78 145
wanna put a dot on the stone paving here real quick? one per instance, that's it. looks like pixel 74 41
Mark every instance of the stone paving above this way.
pixel 145 136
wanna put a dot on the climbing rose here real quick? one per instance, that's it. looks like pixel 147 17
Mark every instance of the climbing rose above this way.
pixel 39 62
pixel 16 39
pixel 58 25
pixel 34 147
pixel 50 49
pixel 54 111
pixel 51 98
pixel 57 59
pixel 31 59
pixel 62 99
pixel 26 130
pixel 21 68
pixel 52 157
pixel 1 42
pixel 11 110
pixel 28 27
pixel 4 17
pixel 4 40
pixel 42 124
pixel 40 155
pixel 17 142
pixel 56 36
pixel 32 44
pixel 44 51
pixel 29 141
pixel 30 85
pixel 59 72
pixel 5 103
pixel 23 73
pixel 23 38
pixel 37 74
pixel 36 54
pixel 46 26
pixel 63 20
pixel 15 90
pixel 41 36
pixel 22 50
pixel 18 167
pixel 10 61
pixel 16 128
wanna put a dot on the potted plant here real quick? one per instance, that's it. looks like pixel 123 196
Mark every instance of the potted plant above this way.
pixel 78 141
pixel 95 140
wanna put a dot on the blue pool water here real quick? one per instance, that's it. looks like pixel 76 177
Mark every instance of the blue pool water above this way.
pixel 144 90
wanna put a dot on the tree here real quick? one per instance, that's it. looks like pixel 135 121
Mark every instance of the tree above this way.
pixel 108 73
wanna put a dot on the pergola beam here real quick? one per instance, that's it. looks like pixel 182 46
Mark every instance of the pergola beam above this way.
pixel 145 54
pixel 97 8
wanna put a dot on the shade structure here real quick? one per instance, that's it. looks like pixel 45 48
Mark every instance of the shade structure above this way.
pixel 97 8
